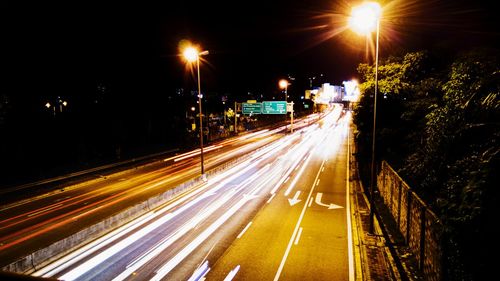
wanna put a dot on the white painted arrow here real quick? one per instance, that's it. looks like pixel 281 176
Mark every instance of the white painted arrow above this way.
pixel 319 195
pixel 295 199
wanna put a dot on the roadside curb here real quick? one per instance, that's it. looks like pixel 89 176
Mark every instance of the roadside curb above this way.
pixel 373 258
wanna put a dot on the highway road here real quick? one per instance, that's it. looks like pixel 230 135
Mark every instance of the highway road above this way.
pixel 303 232
pixel 37 221
pixel 281 214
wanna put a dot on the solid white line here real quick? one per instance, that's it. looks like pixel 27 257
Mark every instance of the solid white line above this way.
pixel 295 231
pixel 298 236
pixel 348 214
pixel 244 230
pixel 272 196
pixel 287 179
pixel 310 202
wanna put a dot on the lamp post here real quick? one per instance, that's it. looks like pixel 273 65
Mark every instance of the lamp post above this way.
pixel 283 84
pixel 364 19
pixel 191 54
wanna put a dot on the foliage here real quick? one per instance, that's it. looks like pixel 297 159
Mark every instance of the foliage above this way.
pixel 443 136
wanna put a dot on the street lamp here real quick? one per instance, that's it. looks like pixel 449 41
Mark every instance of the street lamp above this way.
pixel 364 19
pixel 191 54
pixel 283 83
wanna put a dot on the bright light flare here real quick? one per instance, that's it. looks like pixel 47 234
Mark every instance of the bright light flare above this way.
pixel 191 54
pixel 364 18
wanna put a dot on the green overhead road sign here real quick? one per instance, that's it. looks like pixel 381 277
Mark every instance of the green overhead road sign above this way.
pixel 251 108
pixel 274 107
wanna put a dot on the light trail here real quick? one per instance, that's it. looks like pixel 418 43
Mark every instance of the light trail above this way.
pixel 294 145
pixel 237 171
pixel 172 263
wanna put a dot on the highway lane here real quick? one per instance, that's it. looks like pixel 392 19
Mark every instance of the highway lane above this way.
pixel 36 222
pixel 172 242
pixel 302 232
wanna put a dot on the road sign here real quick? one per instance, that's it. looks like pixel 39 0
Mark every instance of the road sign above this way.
pixel 251 108
pixel 274 107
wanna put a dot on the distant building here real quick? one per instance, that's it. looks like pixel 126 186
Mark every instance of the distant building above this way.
pixel 326 94
pixel 351 91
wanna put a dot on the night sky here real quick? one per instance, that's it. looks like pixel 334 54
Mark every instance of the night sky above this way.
pixel 56 45
pixel 124 54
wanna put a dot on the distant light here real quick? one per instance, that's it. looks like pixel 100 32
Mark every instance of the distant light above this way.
pixel 283 83
pixel 65 103
pixel 193 108
pixel 47 105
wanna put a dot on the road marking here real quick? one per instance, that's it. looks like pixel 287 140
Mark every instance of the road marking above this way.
pixel 317 183
pixel 348 213
pixel 331 206
pixel 295 199
pixel 286 179
pixel 244 230
pixel 322 169
pixel 295 231
pixel 310 202
pixel 232 273
pixel 272 196
pixel 298 236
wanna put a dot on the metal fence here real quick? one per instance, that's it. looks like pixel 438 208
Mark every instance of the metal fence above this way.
pixel 420 227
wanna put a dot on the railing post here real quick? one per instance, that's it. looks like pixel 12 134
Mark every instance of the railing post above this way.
pixel 422 238
pixel 400 189
pixel 408 216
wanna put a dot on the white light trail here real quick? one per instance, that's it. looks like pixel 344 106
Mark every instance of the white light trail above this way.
pixel 67 261
pixel 131 268
pixel 171 264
